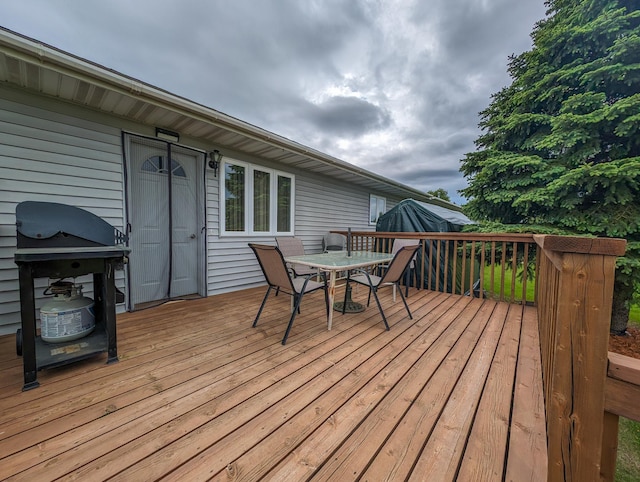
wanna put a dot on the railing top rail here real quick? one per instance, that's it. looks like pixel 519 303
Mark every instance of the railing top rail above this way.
pixel 509 237
pixel 549 242
pixel 582 245
pixel 624 368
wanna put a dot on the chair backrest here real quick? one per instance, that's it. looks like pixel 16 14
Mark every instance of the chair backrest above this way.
pixel 290 246
pixel 399 243
pixel 399 264
pixel 334 242
pixel 273 266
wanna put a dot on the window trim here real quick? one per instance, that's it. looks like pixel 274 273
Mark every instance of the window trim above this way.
pixel 249 200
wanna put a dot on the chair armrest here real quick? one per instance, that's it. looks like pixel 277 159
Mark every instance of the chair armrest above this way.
pixel 364 272
pixel 320 273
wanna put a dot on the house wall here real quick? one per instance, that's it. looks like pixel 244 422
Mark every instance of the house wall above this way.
pixel 49 156
pixel 59 152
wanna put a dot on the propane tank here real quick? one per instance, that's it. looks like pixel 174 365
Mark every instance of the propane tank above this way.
pixel 68 315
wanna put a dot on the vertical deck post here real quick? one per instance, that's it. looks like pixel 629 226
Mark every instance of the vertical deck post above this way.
pixel 579 318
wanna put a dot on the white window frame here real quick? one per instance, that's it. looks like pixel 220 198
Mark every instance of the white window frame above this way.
pixel 249 196
pixel 378 201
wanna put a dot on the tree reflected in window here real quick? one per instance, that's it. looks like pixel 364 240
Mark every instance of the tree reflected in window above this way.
pixel 234 196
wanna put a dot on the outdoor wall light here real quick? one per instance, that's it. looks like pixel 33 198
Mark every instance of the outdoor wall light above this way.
pixel 167 135
pixel 214 161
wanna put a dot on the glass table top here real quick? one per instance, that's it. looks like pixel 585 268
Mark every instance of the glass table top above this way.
pixel 340 260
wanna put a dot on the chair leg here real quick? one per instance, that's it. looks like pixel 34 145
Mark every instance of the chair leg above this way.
pixel 326 293
pixel 346 291
pixel 405 303
pixel 384 318
pixel 295 311
pixel 407 281
pixel 264 300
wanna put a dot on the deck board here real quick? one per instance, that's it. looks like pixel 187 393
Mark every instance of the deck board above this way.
pixel 527 452
pixel 440 456
pixel 482 460
pixel 199 394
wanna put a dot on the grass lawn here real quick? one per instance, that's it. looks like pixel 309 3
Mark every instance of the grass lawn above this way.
pixel 628 462
pixel 508 277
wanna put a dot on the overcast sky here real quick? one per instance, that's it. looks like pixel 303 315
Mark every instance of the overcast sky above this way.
pixel 392 86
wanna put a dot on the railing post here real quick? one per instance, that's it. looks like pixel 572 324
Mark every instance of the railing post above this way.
pixel 575 379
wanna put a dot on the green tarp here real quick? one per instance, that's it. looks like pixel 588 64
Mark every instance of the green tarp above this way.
pixel 418 217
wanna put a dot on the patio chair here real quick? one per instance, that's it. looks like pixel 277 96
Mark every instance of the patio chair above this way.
pixel 333 242
pixel 392 276
pixel 292 246
pixel 411 269
pixel 275 272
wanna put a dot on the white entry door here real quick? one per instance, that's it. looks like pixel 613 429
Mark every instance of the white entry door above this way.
pixel 166 213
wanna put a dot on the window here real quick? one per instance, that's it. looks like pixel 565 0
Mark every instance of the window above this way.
pixel 234 198
pixel 256 200
pixel 377 207
pixel 158 164
pixel 285 204
pixel 261 201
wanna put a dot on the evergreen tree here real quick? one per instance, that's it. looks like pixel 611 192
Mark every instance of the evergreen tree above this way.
pixel 440 193
pixel 561 145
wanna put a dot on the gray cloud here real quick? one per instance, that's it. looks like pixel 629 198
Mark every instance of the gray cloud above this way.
pixel 348 116
pixel 378 84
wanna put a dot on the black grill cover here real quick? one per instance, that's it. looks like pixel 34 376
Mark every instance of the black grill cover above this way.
pixel 411 216
pixel 46 224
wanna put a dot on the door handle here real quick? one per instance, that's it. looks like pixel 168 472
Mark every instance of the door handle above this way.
pixel 193 236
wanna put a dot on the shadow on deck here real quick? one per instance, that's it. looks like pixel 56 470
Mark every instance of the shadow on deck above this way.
pixel 454 394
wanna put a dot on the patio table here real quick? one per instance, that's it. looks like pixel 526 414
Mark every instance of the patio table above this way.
pixel 336 261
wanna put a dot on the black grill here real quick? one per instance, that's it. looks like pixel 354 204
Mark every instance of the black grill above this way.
pixel 58 241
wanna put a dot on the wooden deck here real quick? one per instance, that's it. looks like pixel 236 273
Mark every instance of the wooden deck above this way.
pixel 455 394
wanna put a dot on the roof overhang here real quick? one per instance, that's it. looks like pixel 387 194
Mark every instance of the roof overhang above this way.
pixel 33 65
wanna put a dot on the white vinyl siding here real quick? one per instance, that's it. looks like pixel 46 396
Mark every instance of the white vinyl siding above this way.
pixel 47 156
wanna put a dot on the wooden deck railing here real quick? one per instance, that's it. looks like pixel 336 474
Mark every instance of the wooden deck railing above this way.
pixel 586 388
pixel 499 266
